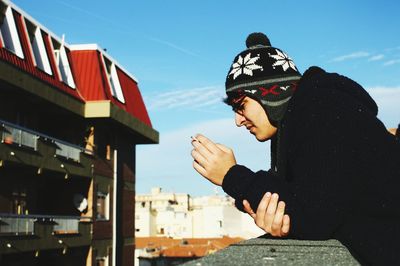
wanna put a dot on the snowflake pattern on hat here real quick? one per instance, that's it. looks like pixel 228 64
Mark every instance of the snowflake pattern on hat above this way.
pixel 283 60
pixel 245 65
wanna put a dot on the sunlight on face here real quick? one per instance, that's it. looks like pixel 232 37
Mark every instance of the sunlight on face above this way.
pixel 252 115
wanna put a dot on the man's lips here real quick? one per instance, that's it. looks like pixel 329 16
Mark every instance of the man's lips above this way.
pixel 249 127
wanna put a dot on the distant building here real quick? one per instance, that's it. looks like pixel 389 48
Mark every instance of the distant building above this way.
pixel 178 215
pixel 163 214
pixel 70 117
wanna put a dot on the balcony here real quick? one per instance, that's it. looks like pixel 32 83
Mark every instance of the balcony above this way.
pixel 23 137
pixel 14 224
pixel 26 234
pixel 26 146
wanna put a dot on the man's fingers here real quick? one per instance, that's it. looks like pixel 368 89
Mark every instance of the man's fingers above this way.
pixel 278 219
pixel 285 225
pixel 223 147
pixel 197 156
pixel 200 148
pixel 261 210
pixel 270 213
pixel 200 169
pixel 207 143
pixel 248 209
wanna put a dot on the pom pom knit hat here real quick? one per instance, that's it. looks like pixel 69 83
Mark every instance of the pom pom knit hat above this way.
pixel 264 73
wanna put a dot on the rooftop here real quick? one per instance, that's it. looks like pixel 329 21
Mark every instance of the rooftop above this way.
pixel 182 248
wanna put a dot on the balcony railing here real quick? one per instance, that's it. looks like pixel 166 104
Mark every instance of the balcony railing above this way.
pixel 17 135
pixel 14 224
pixel 20 137
pixel 69 225
pixel 68 151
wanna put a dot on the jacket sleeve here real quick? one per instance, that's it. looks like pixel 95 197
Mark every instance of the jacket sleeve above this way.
pixel 242 183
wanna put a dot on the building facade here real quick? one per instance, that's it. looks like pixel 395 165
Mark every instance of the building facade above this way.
pixel 178 215
pixel 70 118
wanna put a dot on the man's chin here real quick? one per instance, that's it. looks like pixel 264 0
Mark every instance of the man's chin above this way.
pixel 260 138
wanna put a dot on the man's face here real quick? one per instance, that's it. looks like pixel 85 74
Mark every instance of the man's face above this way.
pixel 251 114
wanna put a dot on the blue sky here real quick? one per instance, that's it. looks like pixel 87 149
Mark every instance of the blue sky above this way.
pixel 180 51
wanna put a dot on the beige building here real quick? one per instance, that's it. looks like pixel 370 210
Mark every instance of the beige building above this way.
pixel 178 215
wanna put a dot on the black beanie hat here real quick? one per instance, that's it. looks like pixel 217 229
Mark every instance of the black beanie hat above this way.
pixel 263 73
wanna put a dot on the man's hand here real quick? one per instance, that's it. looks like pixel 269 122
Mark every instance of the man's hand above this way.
pixel 270 215
pixel 211 160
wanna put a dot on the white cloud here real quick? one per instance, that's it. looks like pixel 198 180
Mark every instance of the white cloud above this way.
pixel 392 49
pixel 188 98
pixel 391 62
pixel 351 56
pixel 174 46
pixel 376 57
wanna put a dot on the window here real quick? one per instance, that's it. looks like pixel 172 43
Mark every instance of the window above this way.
pixel 62 63
pixel 9 33
pixel 19 205
pixel 103 206
pixel 219 223
pixel 115 86
pixel 38 47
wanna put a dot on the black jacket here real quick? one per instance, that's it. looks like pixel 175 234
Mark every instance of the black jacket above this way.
pixel 338 169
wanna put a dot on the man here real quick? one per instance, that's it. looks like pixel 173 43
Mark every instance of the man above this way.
pixel 334 166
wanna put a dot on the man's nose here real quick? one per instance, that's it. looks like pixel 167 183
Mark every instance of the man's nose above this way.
pixel 239 119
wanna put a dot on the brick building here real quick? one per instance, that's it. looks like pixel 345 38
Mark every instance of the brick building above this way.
pixel 70 118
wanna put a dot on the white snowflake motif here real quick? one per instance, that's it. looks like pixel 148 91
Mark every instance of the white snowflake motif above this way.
pixel 250 91
pixel 283 60
pixel 245 65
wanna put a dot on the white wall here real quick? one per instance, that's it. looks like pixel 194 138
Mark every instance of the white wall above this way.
pixel 181 216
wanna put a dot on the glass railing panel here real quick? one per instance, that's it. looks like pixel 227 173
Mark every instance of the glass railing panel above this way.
pixel 16 225
pixel 66 225
pixel 29 140
pixel 11 135
pixel 68 151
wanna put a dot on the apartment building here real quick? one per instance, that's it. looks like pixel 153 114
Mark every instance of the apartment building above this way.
pixel 178 215
pixel 70 118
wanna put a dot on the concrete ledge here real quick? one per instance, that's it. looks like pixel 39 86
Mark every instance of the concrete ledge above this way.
pixel 262 251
